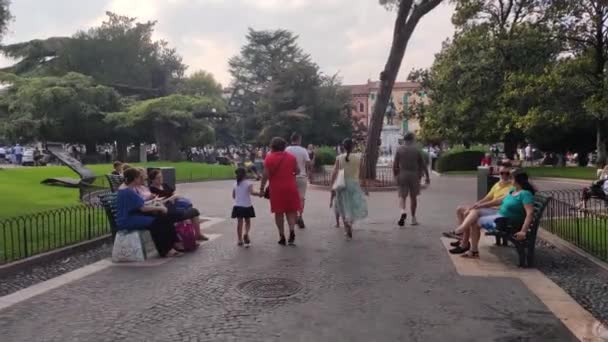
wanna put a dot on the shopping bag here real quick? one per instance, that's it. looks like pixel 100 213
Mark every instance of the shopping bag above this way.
pixel 340 182
pixel 128 247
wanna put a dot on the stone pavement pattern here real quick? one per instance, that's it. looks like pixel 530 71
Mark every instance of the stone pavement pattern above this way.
pixel 388 284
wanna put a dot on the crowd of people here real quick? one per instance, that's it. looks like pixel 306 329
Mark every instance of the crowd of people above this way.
pixel 146 202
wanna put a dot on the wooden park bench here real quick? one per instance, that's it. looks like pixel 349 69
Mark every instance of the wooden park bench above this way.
pixel 146 246
pixel 505 231
pixel 115 181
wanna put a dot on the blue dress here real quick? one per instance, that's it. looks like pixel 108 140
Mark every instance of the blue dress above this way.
pixel 350 201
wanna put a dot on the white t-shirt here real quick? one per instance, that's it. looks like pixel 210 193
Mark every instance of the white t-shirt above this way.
pixel 301 155
pixel 242 194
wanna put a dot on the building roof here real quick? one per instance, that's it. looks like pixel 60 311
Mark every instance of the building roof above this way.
pixel 366 88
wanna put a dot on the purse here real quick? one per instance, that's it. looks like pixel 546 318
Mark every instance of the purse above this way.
pixel 267 190
pixel 340 182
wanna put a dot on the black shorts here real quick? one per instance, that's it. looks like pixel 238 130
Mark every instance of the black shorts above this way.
pixel 243 212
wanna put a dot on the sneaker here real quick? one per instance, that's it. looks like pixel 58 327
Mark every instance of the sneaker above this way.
pixel 300 223
pixel 282 241
pixel 452 235
pixel 401 222
pixel 414 221
pixel 292 239
pixel 455 243
pixel 459 250
pixel 246 240
pixel 240 243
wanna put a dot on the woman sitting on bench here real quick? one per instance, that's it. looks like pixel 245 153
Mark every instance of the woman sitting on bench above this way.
pixel 517 207
pixel 178 206
pixel 134 214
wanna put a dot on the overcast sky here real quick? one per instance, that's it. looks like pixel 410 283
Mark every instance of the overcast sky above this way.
pixel 351 37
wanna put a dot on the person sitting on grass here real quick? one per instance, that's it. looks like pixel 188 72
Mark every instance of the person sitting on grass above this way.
pixel 469 214
pixel 178 206
pixel 517 207
pixel 133 214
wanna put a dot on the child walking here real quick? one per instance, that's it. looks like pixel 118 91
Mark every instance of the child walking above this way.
pixel 336 212
pixel 243 208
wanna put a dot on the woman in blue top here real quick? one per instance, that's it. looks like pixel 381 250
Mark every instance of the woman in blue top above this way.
pixel 134 214
pixel 518 207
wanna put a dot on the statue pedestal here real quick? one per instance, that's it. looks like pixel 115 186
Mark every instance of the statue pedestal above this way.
pixel 390 137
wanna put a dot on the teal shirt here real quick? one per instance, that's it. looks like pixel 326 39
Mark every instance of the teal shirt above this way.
pixel 512 206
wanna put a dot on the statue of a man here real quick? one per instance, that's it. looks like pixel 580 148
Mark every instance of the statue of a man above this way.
pixel 390 113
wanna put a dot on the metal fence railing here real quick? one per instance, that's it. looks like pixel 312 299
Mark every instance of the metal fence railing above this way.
pixel 28 235
pixel 584 224
pixel 384 177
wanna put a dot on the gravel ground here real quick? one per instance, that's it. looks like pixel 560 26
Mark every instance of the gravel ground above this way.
pixel 25 278
pixel 583 280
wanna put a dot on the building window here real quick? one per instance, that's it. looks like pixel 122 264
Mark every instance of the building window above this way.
pixel 361 107
pixel 372 96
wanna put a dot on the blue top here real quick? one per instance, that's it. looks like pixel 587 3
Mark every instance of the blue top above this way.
pixel 128 217
pixel 512 206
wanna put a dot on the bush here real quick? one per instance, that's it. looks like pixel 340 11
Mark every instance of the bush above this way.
pixel 459 160
pixel 325 155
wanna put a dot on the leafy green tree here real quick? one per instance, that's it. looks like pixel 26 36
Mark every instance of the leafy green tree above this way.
pixel 71 108
pixel 278 90
pixel 172 122
pixel 494 41
pixel 583 25
pixel 5 16
pixel 119 53
pixel 200 83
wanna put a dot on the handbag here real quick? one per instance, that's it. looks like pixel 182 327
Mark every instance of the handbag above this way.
pixel 128 247
pixel 340 182
pixel 185 232
pixel 267 190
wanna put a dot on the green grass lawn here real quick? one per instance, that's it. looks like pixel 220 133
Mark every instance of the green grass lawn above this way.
pixel 22 192
pixel 588 233
pixel 563 172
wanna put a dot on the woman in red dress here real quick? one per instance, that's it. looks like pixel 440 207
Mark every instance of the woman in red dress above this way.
pixel 281 168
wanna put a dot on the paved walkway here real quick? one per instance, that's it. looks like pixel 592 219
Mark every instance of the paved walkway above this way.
pixel 388 284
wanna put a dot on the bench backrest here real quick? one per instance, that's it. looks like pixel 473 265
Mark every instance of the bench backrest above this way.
pixel 108 201
pixel 540 204
pixel 115 181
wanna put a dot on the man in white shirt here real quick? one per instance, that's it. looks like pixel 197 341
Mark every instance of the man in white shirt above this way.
pixel 303 160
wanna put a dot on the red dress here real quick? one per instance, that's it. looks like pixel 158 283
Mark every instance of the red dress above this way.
pixel 284 197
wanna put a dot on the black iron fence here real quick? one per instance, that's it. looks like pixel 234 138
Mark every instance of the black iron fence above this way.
pixel 582 223
pixel 384 177
pixel 28 235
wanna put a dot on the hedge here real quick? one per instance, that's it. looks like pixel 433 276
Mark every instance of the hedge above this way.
pixel 325 155
pixel 459 160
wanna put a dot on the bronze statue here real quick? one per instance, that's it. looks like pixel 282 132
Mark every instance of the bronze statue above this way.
pixel 390 113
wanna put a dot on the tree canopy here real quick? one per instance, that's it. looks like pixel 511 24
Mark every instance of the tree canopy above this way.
pixel 70 108
pixel 277 89
pixel 119 53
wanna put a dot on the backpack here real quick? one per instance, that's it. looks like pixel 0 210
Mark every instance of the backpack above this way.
pixel 186 234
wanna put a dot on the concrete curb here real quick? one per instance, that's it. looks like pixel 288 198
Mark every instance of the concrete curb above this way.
pixel 568 247
pixel 52 255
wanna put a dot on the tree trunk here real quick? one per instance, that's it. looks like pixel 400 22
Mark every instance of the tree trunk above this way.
pixel 121 150
pixel 91 148
pixel 166 139
pixel 404 28
pixel 601 147
pixel 510 146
